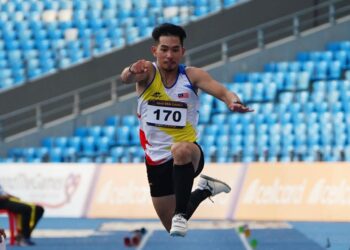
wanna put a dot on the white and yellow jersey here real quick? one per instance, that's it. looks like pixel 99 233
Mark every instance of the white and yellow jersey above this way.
pixel 167 115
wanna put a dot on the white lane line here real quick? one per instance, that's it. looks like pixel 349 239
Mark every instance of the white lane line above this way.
pixel 145 239
pixel 65 233
pixel 245 242
pixel 193 224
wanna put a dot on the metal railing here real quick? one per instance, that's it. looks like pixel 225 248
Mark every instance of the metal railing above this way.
pixel 110 90
pixel 257 37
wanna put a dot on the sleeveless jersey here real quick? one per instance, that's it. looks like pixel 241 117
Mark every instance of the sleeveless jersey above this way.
pixel 167 115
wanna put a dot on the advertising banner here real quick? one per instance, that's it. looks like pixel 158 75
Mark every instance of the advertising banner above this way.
pixel 122 191
pixel 63 189
pixel 296 192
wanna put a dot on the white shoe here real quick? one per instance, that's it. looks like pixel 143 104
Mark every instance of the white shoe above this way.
pixel 178 226
pixel 213 185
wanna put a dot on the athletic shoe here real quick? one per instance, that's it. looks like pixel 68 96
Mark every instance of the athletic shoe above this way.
pixel 178 225
pixel 22 242
pixel 213 185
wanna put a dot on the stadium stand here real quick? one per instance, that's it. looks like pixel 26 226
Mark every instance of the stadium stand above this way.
pixel 293 100
pixel 301 114
pixel 40 37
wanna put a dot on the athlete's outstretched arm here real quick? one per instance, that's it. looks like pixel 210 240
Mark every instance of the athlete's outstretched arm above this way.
pixel 138 71
pixel 202 80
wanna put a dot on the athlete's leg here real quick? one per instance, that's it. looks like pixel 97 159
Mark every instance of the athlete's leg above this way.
pixel 165 208
pixel 207 186
pixel 160 179
pixel 38 214
pixel 186 158
pixel 21 209
pixel 186 152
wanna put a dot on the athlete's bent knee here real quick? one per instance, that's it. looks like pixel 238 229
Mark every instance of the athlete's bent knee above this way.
pixel 182 152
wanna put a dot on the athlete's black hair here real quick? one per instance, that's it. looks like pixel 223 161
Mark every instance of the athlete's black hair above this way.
pixel 168 29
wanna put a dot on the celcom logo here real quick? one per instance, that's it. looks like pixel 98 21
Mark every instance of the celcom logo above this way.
pixel 329 193
pixel 275 193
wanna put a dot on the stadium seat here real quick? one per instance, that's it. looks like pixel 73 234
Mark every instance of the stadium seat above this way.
pixel 38 26
pixel 113 120
pixel 123 135
pixel 94 131
pixel 117 153
pixel 103 144
pixel 55 154
pixel 88 146
pixel 69 154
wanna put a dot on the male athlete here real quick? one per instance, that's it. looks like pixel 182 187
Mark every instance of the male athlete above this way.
pixel 168 106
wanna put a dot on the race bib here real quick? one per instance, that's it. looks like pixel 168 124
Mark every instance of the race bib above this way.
pixel 169 114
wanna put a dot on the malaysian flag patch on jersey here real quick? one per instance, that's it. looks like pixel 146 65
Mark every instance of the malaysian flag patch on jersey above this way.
pixel 183 95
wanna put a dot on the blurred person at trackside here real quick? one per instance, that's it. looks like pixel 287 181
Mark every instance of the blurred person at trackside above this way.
pixel 28 215
pixel 2 234
pixel 168 107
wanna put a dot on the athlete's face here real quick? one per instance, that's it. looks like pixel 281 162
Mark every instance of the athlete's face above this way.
pixel 168 52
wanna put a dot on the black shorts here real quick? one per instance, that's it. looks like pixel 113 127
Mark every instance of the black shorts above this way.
pixel 160 178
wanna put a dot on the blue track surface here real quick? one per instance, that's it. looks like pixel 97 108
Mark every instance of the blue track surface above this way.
pixel 301 236
pixel 196 239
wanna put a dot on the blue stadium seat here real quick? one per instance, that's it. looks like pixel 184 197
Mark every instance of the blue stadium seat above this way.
pixel 109 131
pixel 206 99
pixel 211 129
pixel 113 120
pixel 270 91
pixel 69 154
pixel 41 153
pixel 222 155
pixel 48 142
pixel 81 131
pixel 258 92
pixel 335 70
pixel 103 145
pixel 94 131
pixel 74 142
pixel 60 142
pixel 55 154
pixel 294 66
pixel 254 77
pixel 219 119
pixel 309 67
pixel 205 113
pixel 207 140
pixel 320 70
pixel 342 57
pixel 136 153
pixel 222 141
pixel 88 146
pixel 129 120
pixel 282 67
pixel 347 153
pixel 123 135
pixel 117 153
pixel 134 135
pixel 235 128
